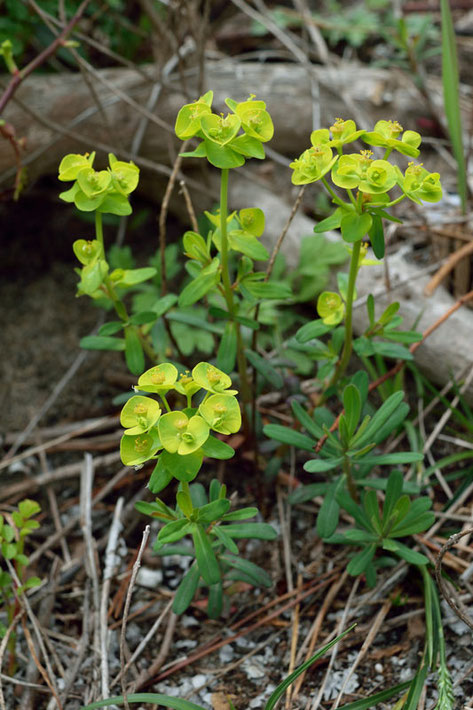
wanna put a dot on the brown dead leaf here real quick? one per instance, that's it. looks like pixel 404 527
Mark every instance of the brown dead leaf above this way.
pixel 415 627
pixel 219 701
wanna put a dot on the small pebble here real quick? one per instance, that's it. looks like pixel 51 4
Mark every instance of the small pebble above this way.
pixel 379 668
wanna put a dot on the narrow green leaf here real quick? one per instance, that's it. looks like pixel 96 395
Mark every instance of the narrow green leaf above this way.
pixel 327 519
pixel 216 449
pixel 258 575
pixel 374 700
pixel 206 560
pixel 102 342
pixel 257 531
pixel 186 590
pixel 227 350
pixel 265 369
pixel 134 355
pixel 312 330
pixel 289 436
pixel 152 698
pixel 322 465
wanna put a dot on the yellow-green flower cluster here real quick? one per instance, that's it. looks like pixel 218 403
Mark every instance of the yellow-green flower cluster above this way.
pixel 363 171
pixel 101 190
pixel 226 140
pixel 183 432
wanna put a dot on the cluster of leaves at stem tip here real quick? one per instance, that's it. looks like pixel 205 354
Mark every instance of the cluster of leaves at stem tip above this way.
pixel 178 440
pixel 14 528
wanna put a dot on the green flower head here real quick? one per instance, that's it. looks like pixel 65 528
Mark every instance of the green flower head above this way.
pixel 186 385
pixel 386 134
pixel 71 164
pixel 125 176
pixel 93 183
pixel 313 164
pixel 182 435
pixel 359 170
pixel 330 307
pixel 418 184
pixel 87 252
pixel 159 379
pixel 220 129
pixel 341 131
pixel 136 450
pixel 212 379
pixel 139 414
pixel 189 117
pixel 222 413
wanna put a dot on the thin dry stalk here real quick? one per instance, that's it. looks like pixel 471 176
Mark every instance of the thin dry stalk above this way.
pixel 373 630
pixel 3 647
pixel 162 655
pixel 129 595
pixel 314 631
pixel 109 571
pixel 91 550
pixel 294 640
pixel 81 647
pixel 449 594
pixel 449 265
pixel 142 645
pixel 189 206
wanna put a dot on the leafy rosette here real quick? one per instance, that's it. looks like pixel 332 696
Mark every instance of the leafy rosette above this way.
pixel 386 135
pixel 212 379
pixel 159 379
pixel 139 414
pixel 358 170
pixel 418 184
pixel 340 133
pixel 189 117
pixel 330 307
pixel 136 450
pixel 313 164
pixel 182 435
pixel 222 413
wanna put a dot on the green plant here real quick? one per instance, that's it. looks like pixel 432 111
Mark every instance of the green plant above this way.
pixel 12 543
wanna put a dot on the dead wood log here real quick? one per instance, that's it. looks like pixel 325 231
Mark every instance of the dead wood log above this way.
pixel 46 105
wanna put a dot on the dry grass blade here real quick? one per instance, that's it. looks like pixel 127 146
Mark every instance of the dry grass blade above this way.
pixel 450 596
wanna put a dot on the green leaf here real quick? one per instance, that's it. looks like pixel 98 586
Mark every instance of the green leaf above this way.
pixel 289 436
pixel 199 286
pixel 160 477
pixel 333 221
pixel 175 530
pixel 183 467
pixel 134 355
pixel 205 556
pixel 216 449
pixel 111 328
pixel 269 289
pixel 399 457
pixel 352 406
pixel 265 369
pixel 248 146
pixel 376 234
pixel 225 539
pixel 227 350
pixel 242 514
pixel 355 226
pixel 102 342
pixel 306 420
pixel 247 244
pixel 131 277
pixel 327 519
pixel 302 494
pixel 215 601
pixel 393 493
pixel 360 562
pixel 256 531
pixel 312 330
pixel 223 156
pixel 383 414
pixel 255 573
pixel 186 590
pixel 213 511
pixel 322 465
pixel 143 318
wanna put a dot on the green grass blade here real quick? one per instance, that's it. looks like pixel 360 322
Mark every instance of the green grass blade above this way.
pixel 282 687
pixel 451 97
pixel 373 700
pixel 156 698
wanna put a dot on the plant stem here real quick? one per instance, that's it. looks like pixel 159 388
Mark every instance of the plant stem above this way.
pixel 99 232
pixel 227 286
pixel 348 344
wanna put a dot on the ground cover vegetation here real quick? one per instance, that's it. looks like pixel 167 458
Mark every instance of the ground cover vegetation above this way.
pixel 232 300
